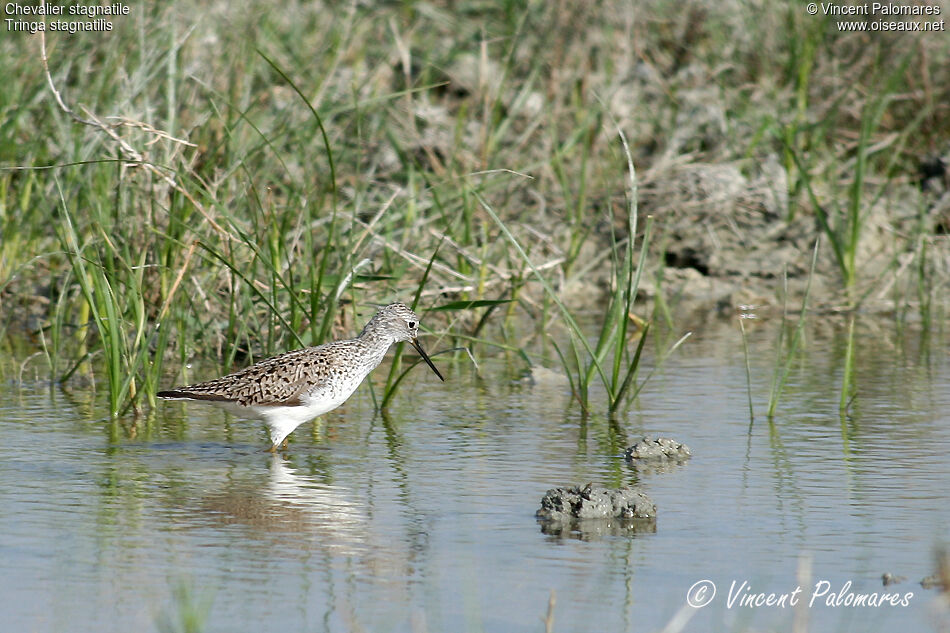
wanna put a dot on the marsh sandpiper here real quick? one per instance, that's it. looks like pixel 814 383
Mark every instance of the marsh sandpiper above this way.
pixel 287 390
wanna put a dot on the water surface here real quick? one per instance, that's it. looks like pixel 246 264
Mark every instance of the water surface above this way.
pixel 423 520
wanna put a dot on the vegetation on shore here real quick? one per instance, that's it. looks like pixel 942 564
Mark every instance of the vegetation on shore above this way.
pixel 232 182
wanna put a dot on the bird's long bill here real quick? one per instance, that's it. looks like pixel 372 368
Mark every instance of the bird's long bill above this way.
pixel 425 357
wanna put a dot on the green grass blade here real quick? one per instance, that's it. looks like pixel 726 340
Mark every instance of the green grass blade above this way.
pixel 574 328
pixel 631 371
pixel 780 376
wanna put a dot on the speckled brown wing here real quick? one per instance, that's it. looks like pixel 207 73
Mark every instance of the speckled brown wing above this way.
pixel 280 380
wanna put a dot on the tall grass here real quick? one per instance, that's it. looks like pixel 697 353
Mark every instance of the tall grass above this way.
pixel 843 216
pixel 110 280
pixel 590 362
pixel 180 191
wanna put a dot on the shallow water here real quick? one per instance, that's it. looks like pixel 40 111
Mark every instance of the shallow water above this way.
pixel 424 520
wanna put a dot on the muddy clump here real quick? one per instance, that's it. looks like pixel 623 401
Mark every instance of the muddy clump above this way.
pixel 589 511
pixel 658 450
pixel 657 455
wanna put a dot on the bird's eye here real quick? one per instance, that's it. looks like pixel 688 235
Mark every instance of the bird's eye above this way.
pixel 412 325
